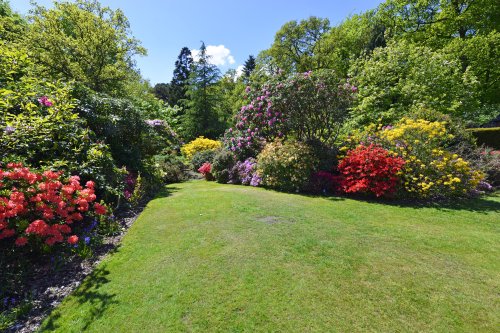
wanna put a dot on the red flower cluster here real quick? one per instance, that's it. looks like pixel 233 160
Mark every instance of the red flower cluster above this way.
pixel 51 203
pixel 369 169
pixel 205 168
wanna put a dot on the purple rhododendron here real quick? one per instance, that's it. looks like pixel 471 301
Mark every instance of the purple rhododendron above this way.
pixel 245 173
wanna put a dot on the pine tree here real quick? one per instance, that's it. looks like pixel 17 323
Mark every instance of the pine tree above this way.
pixel 201 117
pixel 180 78
pixel 249 66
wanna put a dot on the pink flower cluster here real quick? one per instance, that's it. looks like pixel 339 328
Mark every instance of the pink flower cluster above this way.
pixel 44 100
pixel 256 122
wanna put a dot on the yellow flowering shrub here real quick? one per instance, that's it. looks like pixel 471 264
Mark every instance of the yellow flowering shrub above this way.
pixel 430 170
pixel 442 174
pixel 286 166
pixel 198 145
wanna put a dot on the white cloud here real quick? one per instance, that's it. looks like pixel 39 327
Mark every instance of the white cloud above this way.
pixel 239 70
pixel 219 55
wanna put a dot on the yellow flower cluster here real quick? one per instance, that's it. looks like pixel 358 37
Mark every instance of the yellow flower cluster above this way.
pixel 199 144
pixel 442 174
pixel 416 131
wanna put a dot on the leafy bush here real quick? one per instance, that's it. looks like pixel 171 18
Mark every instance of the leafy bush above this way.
pixel 432 167
pixel 430 170
pixel 481 158
pixel 286 166
pixel 202 157
pixel 370 169
pixel 149 181
pixel 326 155
pixel 132 137
pixel 198 145
pixel 40 127
pixel 490 165
pixel 170 167
pixel 322 182
pixel 223 163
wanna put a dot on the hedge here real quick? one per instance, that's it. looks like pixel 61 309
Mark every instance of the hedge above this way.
pixel 489 136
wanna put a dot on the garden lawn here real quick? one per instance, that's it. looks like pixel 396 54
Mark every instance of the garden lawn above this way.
pixel 205 257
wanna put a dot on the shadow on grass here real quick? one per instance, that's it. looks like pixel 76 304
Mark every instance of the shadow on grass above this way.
pixel 91 295
pixel 477 205
pixel 166 191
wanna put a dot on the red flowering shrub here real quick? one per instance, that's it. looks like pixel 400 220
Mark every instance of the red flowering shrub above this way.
pixel 206 170
pixel 43 208
pixel 369 169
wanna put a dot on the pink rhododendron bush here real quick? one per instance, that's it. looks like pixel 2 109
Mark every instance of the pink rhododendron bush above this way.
pixel 306 106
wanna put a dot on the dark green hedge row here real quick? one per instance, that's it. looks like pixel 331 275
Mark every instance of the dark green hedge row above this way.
pixel 489 136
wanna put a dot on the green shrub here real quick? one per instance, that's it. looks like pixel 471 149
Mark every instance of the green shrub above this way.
pixel 171 168
pixel 223 162
pixel 286 166
pixel 481 158
pixel 132 137
pixel 201 158
pixel 487 136
pixel 327 156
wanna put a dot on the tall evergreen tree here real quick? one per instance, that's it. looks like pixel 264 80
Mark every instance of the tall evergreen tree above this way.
pixel 174 93
pixel 249 66
pixel 180 78
pixel 201 117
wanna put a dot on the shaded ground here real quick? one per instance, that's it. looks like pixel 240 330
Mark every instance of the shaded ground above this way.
pixel 225 258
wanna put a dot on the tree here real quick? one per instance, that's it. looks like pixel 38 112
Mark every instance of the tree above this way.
pixel 85 42
pixel 478 54
pixel 174 93
pixel 12 26
pixel 404 77
pixel 163 91
pixel 181 77
pixel 201 117
pixel 249 66
pixel 357 35
pixel 297 45
pixel 436 22
pixel 229 91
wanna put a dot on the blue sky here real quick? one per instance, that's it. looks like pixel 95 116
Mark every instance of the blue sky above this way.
pixel 234 29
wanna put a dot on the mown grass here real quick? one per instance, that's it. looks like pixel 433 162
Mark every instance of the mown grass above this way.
pixel 205 257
